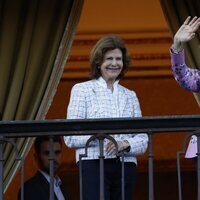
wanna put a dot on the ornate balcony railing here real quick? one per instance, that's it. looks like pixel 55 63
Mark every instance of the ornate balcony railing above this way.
pixel 149 125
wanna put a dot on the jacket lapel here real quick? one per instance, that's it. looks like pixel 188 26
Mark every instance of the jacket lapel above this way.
pixel 45 184
pixel 64 192
pixel 122 100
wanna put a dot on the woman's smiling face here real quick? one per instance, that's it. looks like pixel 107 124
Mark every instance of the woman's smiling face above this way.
pixel 112 65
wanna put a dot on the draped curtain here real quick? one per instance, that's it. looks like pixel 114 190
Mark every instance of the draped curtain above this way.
pixel 175 12
pixel 35 39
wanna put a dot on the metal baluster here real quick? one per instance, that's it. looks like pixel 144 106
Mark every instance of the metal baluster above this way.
pixel 51 166
pixel 1 168
pixel 101 165
pixel 16 151
pixel 100 137
pixel 179 176
pixel 179 165
pixel 198 164
pixel 22 178
pixel 123 178
pixel 80 177
pixel 150 161
pixel 80 164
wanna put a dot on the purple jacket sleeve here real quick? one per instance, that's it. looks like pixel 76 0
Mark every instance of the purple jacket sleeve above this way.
pixel 187 77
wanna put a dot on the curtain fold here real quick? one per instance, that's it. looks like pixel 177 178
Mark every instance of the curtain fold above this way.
pixel 175 12
pixel 35 39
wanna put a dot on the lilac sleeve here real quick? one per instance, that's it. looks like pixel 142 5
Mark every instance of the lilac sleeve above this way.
pixel 187 77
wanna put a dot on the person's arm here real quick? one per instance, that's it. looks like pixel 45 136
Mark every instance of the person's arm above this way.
pixel 138 142
pixel 133 144
pixel 187 77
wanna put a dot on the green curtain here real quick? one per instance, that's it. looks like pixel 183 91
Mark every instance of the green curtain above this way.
pixel 35 39
pixel 175 12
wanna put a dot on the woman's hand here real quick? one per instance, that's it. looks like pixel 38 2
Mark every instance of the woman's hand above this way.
pixel 122 145
pixel 186 32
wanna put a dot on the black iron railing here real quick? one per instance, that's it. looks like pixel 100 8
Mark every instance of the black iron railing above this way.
pixel 149 125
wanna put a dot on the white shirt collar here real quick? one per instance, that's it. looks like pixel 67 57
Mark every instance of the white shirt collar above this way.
pixel 103 83
pixel 57 181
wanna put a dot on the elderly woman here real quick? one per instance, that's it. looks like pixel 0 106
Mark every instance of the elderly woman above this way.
pixel 104 97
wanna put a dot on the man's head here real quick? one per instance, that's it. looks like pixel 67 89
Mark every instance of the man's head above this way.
pixel 42 152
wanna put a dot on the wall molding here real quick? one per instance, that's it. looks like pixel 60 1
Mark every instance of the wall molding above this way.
pixel 149 52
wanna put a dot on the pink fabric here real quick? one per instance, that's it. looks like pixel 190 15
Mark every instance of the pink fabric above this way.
pixel 192 148
pixel 187 77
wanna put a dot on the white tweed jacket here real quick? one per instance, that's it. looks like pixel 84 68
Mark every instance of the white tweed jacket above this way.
pixel 92 99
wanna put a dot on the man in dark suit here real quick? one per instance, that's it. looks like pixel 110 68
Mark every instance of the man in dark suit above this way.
pixel 38 187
